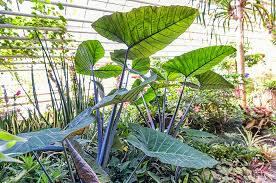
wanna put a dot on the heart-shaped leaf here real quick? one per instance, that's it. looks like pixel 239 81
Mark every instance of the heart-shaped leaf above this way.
pixel 118 56
pixel 212 80
pixel 124 95
pixel 168 149
pixel 198 61
pixel 148 29
pixel 43 138
pixel 141 65
pixel 88 53
pixel 108 71
pixel 35 140
pixel 84 119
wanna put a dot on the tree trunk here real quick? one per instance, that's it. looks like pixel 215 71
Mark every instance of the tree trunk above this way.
pixel 240 50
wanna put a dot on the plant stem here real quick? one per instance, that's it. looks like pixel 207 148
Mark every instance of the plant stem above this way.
pixel 35 107
pixel 109 145
pixel 43 168
pixel 68 163
pixel 113 132
pixel 144 118
pixel 183 117
pixel 177 172
pixel 162 122
pixel 137 166
pixel 99 122
pixel 60 90
pixel 177 107
pixel 148 113
pixel 109 128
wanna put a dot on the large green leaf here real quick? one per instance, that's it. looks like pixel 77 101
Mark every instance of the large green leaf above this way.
pixel 104 72
pixel 118 56
pixel 41 139
pixel 108 71
pixel 158 73
pixel 84 119
pixel 170 76
pixel 198 61
pixel 136 83
pixel 141 65
pixel 148 29
pixel 212 80
pixel 168 149
pixel 123 95
pixel 35 140
pixel 88 53
pixel 7 141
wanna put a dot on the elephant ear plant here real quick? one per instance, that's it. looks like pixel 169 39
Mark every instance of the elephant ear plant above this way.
pixel 144 31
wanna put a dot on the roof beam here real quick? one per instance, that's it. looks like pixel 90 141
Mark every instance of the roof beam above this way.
pixel 4 12
pixel 57 3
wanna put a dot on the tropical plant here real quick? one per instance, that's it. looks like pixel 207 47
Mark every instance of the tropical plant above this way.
pixel 143 36
pixel 244 13
pixel 252 140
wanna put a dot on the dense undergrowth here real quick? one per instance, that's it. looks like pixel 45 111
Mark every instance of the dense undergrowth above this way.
pixel 175 121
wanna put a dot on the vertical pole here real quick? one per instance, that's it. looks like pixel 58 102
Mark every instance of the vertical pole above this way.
pixel 240 50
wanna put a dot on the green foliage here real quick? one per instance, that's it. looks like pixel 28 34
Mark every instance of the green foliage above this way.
pixel 253 59
pixel 124 95
pixel 167 149
pixel 271 84
pixel 216 111
pixel 41 139
pixel 29 170
pixel 212 80
pixel 7 141
pixel 87 55
pixel 143 34
pixel 198 61
pixel 108 71
pixel 145 31
pixel 141 65
pixel 11 46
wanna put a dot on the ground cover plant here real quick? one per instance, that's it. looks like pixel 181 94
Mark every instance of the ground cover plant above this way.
pixel 95 139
